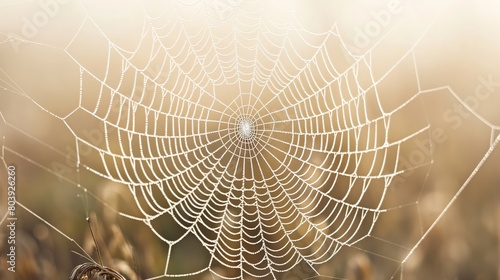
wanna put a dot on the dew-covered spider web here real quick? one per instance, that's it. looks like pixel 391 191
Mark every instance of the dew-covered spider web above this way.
pixel 234 139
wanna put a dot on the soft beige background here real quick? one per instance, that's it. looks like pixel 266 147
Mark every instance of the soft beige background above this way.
pixel 460 50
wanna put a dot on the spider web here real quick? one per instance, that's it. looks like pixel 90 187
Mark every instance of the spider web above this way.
pixel 269 144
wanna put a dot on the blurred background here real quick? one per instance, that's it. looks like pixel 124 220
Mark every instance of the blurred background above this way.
pixel 440 56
